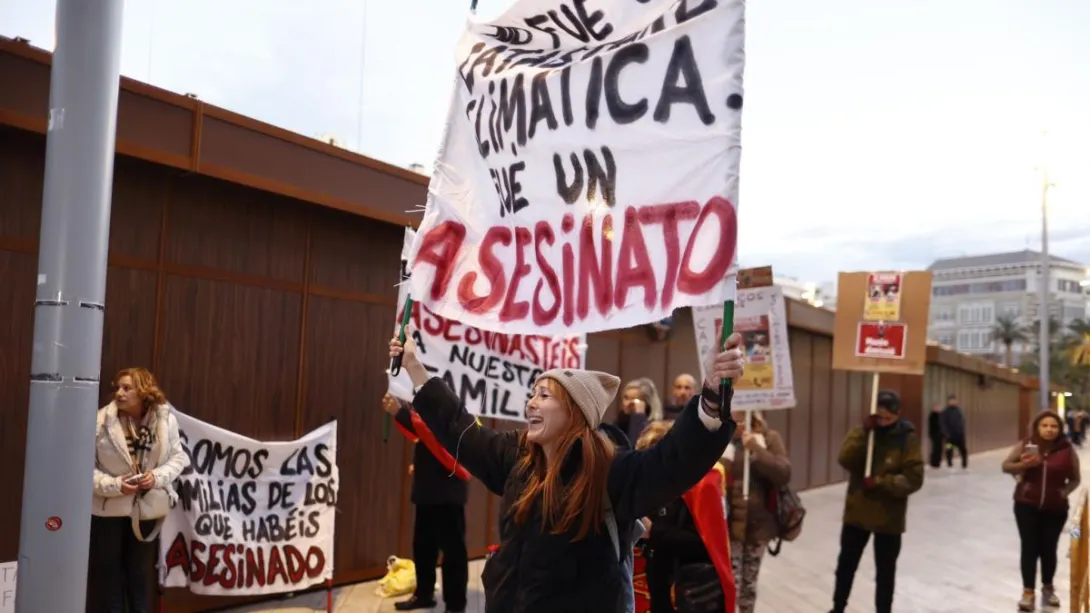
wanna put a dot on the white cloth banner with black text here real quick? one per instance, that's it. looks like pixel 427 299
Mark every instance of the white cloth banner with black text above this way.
pixel 588 179
pixel 252 517
pixel 761 318
pixel 492 372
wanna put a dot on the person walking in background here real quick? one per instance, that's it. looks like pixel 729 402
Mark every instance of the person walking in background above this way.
pixel 934 433
pixel 640 404
pixel 138 449
pixel 688 542
pixel 877 505
pixel 684 389
pixel 439 493
pixel 953 430
pixel 1047 471
pixel 752 523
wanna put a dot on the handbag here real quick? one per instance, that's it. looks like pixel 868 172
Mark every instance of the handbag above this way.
pixel 154 504
pixel 697 589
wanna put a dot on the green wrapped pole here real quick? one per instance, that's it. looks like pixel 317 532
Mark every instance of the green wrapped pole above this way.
pixel 395 363
pixel 728 329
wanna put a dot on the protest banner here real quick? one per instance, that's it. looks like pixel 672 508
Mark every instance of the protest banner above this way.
pixel 760 316
pixel 252 517
pixel 492 372
pixel 588 179
pixel 881 322
pixel 9 572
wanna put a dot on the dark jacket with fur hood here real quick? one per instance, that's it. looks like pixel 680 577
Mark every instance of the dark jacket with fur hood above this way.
pixel 538 572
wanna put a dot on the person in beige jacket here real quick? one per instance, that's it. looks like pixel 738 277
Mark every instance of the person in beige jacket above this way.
pixel 137 449
pixel 752 523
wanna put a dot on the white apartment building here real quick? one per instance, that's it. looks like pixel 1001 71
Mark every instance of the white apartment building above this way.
pixel 823 295
pixel 968 293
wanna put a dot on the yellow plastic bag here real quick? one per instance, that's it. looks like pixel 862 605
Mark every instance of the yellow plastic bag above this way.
pixel 400 578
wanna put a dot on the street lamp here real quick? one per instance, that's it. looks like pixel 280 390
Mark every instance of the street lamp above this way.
pixel 1042 309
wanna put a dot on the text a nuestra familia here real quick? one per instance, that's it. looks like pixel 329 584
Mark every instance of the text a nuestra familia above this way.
pixel 248 516
pixel 567 280
pixel 492 372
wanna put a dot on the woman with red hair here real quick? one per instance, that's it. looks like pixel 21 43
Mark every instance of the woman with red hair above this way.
pixel 568 492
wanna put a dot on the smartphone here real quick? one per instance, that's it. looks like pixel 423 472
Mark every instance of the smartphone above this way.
pixel 133 480
pixel 1031 449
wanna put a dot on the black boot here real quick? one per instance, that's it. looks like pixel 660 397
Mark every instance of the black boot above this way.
pixel 415 603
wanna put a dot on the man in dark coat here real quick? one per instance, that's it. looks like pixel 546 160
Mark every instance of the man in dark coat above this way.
pixel 934 433
pixel 684 388
pixel 439 492
pixel 953 430
pixel 877 505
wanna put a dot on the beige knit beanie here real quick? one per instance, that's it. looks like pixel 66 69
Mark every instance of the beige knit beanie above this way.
pixel 591 390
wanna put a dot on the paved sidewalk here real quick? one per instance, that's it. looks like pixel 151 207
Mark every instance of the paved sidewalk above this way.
pixel 960 554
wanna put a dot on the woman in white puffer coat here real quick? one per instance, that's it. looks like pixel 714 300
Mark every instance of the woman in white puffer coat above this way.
pixel 138 455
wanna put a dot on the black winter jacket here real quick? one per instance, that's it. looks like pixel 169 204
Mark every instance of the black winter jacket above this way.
pixel 432 482
pixel 537 572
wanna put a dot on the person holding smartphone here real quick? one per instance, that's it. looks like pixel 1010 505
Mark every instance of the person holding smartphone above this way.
pixel 640 405
pixel 1046 467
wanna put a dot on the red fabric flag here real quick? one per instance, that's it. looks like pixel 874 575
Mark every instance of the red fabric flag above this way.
pixel 705 502
pixel 424 435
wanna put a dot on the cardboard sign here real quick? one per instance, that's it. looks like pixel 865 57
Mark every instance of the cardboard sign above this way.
pixel 588 177
pixel 881 322
pixel 760 317
pixel 9 572
pixel 252 517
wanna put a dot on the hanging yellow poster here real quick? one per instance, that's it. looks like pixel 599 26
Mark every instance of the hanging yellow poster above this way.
pixel 883 301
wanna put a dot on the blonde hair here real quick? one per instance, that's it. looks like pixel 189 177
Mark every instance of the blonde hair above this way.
pixel 652 434
pixel 145 385
pixel 649 394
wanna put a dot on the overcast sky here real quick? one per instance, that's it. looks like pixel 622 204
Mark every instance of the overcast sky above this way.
pixel 876 134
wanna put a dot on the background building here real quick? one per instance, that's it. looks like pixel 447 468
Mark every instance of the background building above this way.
pixel 820 295
pixel 969 293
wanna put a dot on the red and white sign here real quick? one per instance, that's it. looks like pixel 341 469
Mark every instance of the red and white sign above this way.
pixel 588 176
pixel 884 340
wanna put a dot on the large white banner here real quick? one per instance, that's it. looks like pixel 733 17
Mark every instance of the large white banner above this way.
pixel 761 318
pixel 253 517
pixel 492 372
pixel 588 179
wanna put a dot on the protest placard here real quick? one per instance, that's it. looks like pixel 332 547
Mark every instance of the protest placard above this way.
pixel 252 517
pixel 881 322
pixel 9 572
pixel 760 317
pixel 588 179
pixel 492 372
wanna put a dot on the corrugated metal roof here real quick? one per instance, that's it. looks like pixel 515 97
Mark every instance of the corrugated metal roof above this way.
pixel 1026 256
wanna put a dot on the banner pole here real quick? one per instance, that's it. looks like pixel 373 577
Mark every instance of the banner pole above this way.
pixel 395 363
pixel 873 410
pixel 329 595
pixel 745 462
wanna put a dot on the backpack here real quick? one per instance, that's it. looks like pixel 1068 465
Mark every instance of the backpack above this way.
pixel 787 507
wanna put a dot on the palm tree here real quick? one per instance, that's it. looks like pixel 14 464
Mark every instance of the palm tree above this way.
pixel 1080 348
pixel 1008 331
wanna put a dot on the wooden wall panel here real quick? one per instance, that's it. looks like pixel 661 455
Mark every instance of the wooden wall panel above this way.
pixel 230 355
pixel 136 215
pixel 821 409
pixel 798 433
pixel 237 230
pixel 129 325
pixel 346 380
pixel 22 174
pixel 356 255
pixel 17 273
pixel 838 422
